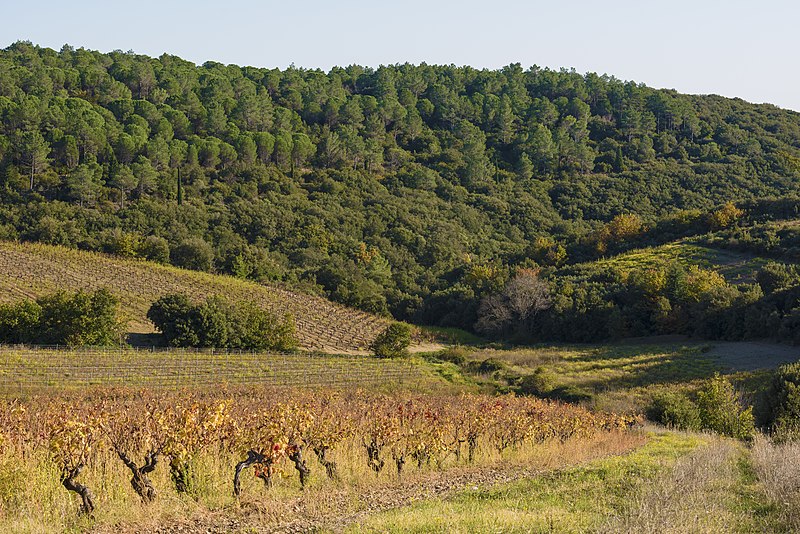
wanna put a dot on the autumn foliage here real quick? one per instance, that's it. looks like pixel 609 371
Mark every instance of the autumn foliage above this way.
pixel 278 433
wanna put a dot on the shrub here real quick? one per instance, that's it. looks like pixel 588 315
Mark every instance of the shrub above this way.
pixel 19 322
pixel 675 410
pixel 456 355
pixel 776 276
pixel 119 243
pixel 490 365
pixel 220 323
pixel 193 254
pixel 721 411
pixel 392 342
pixel 783 403
pixel 571 394
pixel 541 383
pixel 82 318
pixel 171 314
pixel 155 248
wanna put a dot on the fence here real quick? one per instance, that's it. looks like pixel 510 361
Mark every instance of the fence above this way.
pixel 25 369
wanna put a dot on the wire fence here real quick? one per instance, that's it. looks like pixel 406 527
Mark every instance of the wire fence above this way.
pixel 26 369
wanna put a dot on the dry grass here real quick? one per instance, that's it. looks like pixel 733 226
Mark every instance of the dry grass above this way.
pixel 572 499
pixel 696 492
pixel 31 270
pixel 777 468
pixel 676 483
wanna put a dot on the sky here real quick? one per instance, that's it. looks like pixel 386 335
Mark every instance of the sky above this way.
pixel 733 48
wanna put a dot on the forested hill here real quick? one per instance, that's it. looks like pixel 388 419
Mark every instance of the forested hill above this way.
pixel 403 189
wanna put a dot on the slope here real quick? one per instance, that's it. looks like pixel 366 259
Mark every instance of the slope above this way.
pixel 735 266
pixel 30 270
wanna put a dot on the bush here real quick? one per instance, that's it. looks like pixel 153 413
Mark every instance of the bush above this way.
pixel 171 314
pixel 392 342
pixel 19 323
pixel 63 318
pixel 456 355
pixel 783 403
pixel 489 365
pixel 220 323
pixel 571 394
pixel 773 277
pixel 541 383
pixel 721 411
pixel 675 410
pixel 154 248
pixel 119 243
pixel 193 254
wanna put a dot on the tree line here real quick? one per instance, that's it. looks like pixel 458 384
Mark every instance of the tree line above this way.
pixel 388 189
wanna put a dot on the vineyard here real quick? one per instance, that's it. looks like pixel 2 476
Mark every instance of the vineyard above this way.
pixel 82 459
pixel 32 270
pixel 27 370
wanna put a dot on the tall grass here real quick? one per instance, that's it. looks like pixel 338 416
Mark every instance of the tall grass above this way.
pixel 689 497
pixel 777 468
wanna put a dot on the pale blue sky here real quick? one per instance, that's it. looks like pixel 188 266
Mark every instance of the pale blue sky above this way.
pixel 734 48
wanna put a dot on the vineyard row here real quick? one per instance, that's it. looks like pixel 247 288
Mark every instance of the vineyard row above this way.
pixel 274 433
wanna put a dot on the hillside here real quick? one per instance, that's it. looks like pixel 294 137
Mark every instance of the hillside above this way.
pixel 776 239
pixel 30 270
pixel 388 189
pixel 736 266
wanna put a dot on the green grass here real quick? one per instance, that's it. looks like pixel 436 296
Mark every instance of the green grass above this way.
pixel 571 500
pixel 736 267
pixel 451 335
pixel 675 483
pixel 611 377
pixel 748 496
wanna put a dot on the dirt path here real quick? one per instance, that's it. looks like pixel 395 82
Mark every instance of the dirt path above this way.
pixel 731 355
pixel 752 355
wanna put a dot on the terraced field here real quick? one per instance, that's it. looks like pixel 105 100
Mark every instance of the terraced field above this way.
pixel 31 270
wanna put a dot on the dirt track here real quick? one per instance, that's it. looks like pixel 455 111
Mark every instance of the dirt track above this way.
pixel 751 355
pixel 730 355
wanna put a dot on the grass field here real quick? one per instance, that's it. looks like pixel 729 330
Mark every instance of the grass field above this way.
pixel 658 481
pixel 31 270
pixel 622 377
pixel 736 267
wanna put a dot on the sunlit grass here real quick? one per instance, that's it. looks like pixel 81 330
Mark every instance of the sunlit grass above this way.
pixel 736 267
pixel 571 500
pixel 611 377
